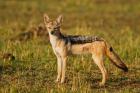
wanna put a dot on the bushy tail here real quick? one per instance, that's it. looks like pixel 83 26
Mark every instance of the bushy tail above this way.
pixel 115 59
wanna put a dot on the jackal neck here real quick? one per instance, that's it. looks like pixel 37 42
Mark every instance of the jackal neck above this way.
pixel 55 36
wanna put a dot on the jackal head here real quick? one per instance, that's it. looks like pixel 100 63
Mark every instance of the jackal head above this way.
pixel 53 26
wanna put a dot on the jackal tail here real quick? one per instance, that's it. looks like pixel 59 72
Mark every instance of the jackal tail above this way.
pixel 114 58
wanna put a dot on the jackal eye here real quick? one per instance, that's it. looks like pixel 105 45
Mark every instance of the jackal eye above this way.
pixel 56 28
pixel 49 27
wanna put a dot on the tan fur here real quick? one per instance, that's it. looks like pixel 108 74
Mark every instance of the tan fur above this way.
pixel 98 49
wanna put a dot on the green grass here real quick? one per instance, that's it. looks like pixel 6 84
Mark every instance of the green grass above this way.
pixel 34 69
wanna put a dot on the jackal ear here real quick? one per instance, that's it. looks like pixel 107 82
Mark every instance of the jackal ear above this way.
pixel 46 18
pixel 59 19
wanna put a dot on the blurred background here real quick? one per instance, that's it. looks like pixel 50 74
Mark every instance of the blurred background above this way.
pixel 97 14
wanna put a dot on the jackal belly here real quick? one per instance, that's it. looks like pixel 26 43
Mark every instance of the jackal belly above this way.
pixel 81 48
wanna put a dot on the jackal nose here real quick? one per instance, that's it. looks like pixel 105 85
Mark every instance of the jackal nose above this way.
pixel 52 32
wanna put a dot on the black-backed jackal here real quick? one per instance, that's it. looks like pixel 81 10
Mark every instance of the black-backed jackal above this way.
pixel 64 45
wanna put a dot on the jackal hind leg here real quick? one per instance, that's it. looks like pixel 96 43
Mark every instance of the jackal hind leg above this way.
pixel 99 62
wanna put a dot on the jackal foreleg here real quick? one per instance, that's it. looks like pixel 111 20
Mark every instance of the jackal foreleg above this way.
pixel 64 61
pixel 59 68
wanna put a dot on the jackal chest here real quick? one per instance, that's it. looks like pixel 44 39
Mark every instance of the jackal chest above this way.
pixel 60 48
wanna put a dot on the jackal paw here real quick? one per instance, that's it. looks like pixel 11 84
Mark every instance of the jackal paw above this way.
pixel 57 80
pixel 101 84
pixel 62 81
